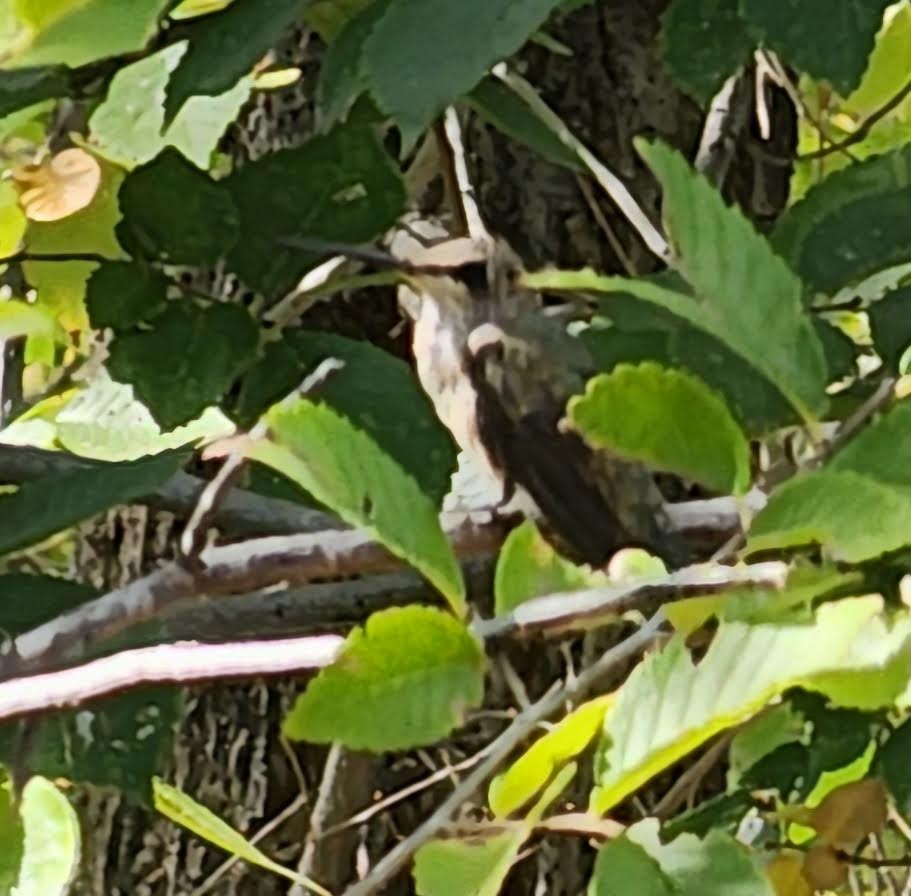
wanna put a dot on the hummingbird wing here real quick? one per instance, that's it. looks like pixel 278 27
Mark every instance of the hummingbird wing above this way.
pixel 591 504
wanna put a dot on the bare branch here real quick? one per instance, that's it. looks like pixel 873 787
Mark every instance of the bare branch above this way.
pixel 182 663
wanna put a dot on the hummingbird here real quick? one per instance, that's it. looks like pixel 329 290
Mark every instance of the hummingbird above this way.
pixel 499 373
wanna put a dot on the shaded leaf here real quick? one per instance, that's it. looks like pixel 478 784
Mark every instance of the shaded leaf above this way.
pixel 528 566
pixel 872 452
pixel 724 812
pixel 850 225
pixel 770 730
pixel 377 392
pixel 225 46
pixel 328 17
pixel 128 127
pixel 668 420
pixel 344 469
pixel 172 212
pixel 56 501
pixel 186 361
pixel 25 86
pixel 466 868
pixel 409 77
pixel 404 680
pixel 531 772
pixel 51 846
pixel 703 42
pixel 792 29
pixel 669 706
pixel 185 811
pixel 508 113
pixel 27 601
pixel 340 186
pixel 890 323
pixel 92 30
pixel 120 294
pixel 892 765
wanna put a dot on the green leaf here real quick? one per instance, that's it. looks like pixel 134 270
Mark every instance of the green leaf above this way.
pixel 92 30
pixel 793 30
pixel 27 601
pixel 466 868
pixel 377 392
pixel 344 469
pixel 850 225
pixel 225 46
pixel 528 567
pixel 339 186
pixel 409 77
pixel 667 419
pixel 120 294
pixel 128 127
pixel 105 422
pixel 118 742
pixel 669 706
pixel 328 17
pixel 184 810
pixel 770 730
pixel 56 501
pixel 872 452
pixel 12 219
pixel 51 847
pixel 854 517
pixel 639 862
pixel 174 213
pixel 24 87
pixel 703 42
pixel 11 836
pixel 892 766
pixel 186 361
pixel 531 772
pixel 749 297
pixel 509 114
pixel 404 680
pixel 342 78
pixel 890 324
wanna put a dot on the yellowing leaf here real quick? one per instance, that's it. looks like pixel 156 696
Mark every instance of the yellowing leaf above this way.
pixel 850 813
pixel 785 872
pixel 65 184
pixel 823 869
pixel 274 80
pixel 531 771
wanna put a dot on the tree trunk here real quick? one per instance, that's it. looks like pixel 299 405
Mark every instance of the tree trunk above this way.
pixel 228 753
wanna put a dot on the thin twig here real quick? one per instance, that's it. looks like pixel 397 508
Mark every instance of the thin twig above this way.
pixel 862 130
pixel 20 257
pixel 474 223
pixel 686 784
pixel 723 121
pixel 612 185
pixel 396 859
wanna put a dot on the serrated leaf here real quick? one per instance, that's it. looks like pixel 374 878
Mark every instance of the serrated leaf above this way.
pixel 527 567
pixel 376 391
pixel 854 517
pixel 55 501
pixel 792 29
pixel 128 127
pixel 184 810
pixel 24 87
pixel 466 868
pixel 750 298
pixel 105 422
pixel 404 680
pixel 51 843
pixel 338 186
pixel 91 30
pixel 186 360
pixel 120 294
pixel 703 42
pixel 669 706
pixel 667 419
pixel 174 213
pixel 344 469
pixel 531 772
pixel 225 46
pixel 850 225
pixel 508 113
pixel 409 77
